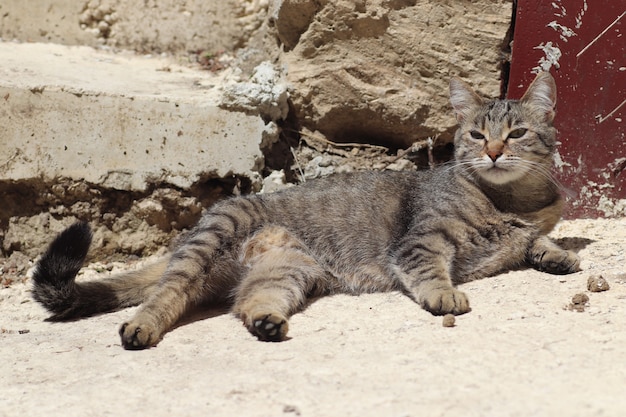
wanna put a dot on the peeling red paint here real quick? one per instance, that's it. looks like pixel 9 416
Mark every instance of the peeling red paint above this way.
pixel 583 44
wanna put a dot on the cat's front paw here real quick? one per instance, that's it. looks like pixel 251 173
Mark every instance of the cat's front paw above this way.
pixel 444 300
pixel 270 327
pixel 546 256
pixel 136 335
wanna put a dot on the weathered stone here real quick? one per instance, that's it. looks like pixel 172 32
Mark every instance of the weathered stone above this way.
pixel 263 94
pixel 292 19
pixel 378 71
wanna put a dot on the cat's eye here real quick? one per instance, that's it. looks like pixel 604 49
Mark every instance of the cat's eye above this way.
pixel 517 133
pixel 476 134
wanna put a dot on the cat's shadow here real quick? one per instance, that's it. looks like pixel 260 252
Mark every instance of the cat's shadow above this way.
pixel 575 244
pixel 208 311
pixel 202 312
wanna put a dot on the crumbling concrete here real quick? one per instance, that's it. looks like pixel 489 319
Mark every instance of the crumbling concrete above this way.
pixel 378 71
pixel 139 145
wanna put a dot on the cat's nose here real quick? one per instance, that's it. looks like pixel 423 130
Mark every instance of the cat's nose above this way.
pixel 494 149
pixel 494 154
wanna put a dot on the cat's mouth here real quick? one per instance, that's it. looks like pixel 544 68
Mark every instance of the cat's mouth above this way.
pixel 497 169
pixel 500 175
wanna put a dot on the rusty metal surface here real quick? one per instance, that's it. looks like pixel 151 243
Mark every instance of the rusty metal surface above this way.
pixel 583 44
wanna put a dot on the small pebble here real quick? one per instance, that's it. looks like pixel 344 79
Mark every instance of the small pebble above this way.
pixel 580 298
pixel 579 302
pixel 448 320
pixel 597 283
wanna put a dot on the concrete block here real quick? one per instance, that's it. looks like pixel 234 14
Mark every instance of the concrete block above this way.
pixel 119 120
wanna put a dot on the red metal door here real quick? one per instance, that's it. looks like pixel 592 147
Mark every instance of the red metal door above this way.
pixel 583 44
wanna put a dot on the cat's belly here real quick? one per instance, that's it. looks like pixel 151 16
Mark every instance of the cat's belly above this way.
pixel 367 278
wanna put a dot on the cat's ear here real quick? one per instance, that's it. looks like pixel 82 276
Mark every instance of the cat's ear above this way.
pixel 541 95
pixel 463 99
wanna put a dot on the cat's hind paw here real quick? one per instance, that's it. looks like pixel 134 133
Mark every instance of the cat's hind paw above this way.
pixel 271 327
pixel 137 335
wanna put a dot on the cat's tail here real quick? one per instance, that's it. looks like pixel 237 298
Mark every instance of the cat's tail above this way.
pixel 55 286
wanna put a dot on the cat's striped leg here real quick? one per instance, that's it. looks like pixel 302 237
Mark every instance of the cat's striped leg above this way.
pixel 182 286
pixel 202 269
pixel 281 274
pixel 266 298
pixel 423 263
pixel 159 314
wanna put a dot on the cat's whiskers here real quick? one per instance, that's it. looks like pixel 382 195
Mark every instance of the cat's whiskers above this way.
pixel 451 165
pixel 512 163
pixel 543 171
pixel 469 167
pixel 540 171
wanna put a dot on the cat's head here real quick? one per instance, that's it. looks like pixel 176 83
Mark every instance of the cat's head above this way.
pixel 502 141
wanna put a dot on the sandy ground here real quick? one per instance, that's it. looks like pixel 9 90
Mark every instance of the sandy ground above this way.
pixel 520 352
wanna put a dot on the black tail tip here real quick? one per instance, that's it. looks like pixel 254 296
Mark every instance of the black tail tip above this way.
pixel 65 255
pixel 73 242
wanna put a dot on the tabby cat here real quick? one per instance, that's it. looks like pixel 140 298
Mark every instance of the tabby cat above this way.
pixel 417 232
